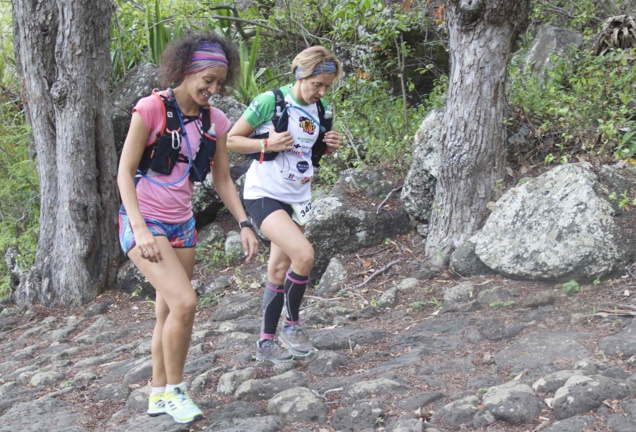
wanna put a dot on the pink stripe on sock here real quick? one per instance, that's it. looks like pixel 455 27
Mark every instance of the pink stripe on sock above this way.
pixel 292 322
pixel 297 281
pixel 273 288
pixel 267 336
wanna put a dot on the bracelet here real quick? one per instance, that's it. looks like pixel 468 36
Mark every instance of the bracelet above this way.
pixel 260 160
pixel 265 140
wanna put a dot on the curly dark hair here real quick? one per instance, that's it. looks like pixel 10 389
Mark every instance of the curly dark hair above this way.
pixel 178 53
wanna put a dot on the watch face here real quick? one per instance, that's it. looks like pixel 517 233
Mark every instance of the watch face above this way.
pixel 246 223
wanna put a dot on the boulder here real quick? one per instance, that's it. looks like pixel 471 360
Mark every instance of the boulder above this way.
pixel 558 226
pixel 550 41
pixel 418 192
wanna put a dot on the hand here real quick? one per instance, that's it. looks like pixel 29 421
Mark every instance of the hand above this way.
pixel 147 246
pixel 249 242
pixel 332 140
pixel 279 142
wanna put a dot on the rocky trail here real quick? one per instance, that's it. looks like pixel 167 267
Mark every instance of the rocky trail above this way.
pixel 396 353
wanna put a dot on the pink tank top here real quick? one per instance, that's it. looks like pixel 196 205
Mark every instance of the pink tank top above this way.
pixel 171 204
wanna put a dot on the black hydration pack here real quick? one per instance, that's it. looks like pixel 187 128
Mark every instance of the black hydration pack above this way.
pixel 164 152
pixel 281 121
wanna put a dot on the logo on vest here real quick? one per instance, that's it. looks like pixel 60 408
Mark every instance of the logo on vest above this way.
pixel 302 166
pixel 307 125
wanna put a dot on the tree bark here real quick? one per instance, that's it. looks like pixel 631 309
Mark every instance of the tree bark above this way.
pixel 473 154
pixel 62 47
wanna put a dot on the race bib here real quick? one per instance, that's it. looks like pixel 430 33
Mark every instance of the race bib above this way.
pixel 302 212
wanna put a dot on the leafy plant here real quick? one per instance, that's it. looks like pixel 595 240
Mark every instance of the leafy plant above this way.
pixel 580 106
pixel 157 32
pixel 571 287
pixel 248 87
pixel 435 302
pixel 211 255
pixel 141 30
pixel 417 306
pixel 209 301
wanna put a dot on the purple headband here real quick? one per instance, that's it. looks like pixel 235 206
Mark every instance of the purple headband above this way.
pixel 329 68
pixel 207 55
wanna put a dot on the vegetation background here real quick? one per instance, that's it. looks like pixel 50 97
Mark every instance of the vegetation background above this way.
pixel 395 57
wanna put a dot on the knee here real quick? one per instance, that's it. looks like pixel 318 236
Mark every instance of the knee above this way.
pixel 304 259
pixel 184 309
pixel 277 271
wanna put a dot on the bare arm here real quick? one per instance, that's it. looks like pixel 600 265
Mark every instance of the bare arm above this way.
pixel 227 192
pixel 238 141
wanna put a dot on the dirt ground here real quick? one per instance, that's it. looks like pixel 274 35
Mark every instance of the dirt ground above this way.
pixel 606 306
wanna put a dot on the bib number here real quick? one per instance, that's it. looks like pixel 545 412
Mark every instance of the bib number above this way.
pixel 302 212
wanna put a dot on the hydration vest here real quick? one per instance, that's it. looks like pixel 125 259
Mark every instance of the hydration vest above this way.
pixel 164 152
pixel 281 121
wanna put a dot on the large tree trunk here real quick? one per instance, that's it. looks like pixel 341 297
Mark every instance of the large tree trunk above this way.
pixel 63 51
pixel 473 151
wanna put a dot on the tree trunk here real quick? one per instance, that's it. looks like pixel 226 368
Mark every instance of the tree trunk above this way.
pixel 473 153
pixel 62 47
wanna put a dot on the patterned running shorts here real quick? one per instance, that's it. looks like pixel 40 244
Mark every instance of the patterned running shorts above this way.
pixel 182 235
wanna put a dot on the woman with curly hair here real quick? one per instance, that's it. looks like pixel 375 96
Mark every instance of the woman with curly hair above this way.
pixel 156 221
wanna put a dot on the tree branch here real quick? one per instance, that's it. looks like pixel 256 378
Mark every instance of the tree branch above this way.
pixel 382 270
pixel 387 198
pixel 351 140
pixel 238 21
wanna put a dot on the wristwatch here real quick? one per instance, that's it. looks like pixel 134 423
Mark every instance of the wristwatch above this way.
pixel 247 223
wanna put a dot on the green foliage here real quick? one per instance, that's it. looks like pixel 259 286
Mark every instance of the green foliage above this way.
pixel 211 255
pixel 19 201
pixel 416 306
pixel 157 32
pixel 571 287
pixel 19 183
pixel 373 127
pixel 581 106
pixel 248 87
pixel 209 301
pixel 580 15
pixel 372 104
pixel 500 304
pixel 141 31
pixel 437 303
pixel 623 200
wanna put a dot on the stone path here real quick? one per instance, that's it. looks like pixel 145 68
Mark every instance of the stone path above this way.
pixel 483 356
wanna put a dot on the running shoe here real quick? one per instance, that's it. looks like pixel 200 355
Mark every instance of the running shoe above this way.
pixel 295 338
pixel 267 350
pixel 180 406
pixel 156 404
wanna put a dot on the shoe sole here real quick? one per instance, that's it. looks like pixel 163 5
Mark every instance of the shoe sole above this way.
pixel 155 414
pixel 295 352
pixel 195 419
pixel 275 361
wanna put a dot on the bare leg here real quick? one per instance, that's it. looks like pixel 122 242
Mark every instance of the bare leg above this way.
pixel 156 347
pixel 171 280
pixel 290 248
